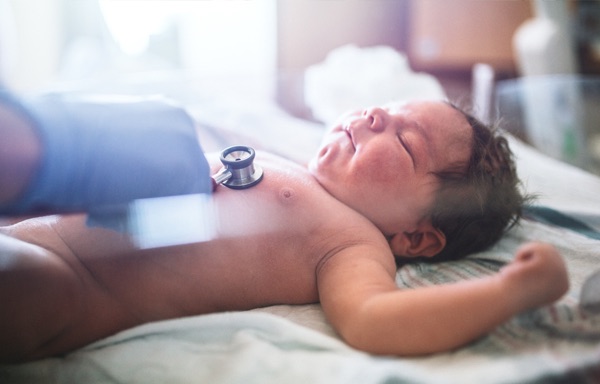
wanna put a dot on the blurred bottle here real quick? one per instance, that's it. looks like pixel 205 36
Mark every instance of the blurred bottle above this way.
pixel 544 49
pixel 544 44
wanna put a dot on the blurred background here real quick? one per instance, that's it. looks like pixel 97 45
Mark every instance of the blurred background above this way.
pixel 46 41
pixel 479 50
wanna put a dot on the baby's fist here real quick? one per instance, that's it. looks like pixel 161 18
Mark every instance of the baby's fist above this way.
pixel 537 276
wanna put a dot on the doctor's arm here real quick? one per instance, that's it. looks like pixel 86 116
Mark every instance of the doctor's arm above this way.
pixel 72 153
pixel 20 154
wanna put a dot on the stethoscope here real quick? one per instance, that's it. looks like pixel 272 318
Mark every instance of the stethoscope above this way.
pixel 239 171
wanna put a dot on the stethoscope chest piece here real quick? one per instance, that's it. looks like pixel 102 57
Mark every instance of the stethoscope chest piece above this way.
pixel 239 171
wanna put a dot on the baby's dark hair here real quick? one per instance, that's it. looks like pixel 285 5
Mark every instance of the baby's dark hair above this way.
pixel 475 208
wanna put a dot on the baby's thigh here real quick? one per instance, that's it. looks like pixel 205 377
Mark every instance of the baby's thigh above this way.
pixel 40 296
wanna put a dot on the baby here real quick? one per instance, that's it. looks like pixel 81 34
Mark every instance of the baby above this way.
pixel 392 183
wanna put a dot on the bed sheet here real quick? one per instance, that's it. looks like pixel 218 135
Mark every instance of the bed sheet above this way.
pixel 295 344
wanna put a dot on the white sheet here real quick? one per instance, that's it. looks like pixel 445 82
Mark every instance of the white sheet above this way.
pixel 559 185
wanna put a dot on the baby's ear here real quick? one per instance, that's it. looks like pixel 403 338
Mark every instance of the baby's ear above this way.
pixel 426 242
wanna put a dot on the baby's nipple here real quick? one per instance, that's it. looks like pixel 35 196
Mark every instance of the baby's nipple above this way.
pixel 287 194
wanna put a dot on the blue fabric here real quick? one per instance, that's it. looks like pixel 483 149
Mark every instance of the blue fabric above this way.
pixel 109 151
pixel 550 216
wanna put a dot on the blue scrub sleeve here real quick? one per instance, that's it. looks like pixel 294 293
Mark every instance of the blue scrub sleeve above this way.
pixel 102 151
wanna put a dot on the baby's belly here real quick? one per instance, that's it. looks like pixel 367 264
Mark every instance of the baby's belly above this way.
pixel 244 273
pixel 227 273
pixel 268 242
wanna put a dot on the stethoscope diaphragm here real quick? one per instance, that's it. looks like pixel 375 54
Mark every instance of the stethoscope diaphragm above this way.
pixel 239 171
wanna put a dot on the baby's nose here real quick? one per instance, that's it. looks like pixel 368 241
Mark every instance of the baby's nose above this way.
pixel 376 118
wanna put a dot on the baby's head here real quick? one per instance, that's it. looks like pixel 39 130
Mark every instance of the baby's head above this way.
pixel 474 208
pixel 433 179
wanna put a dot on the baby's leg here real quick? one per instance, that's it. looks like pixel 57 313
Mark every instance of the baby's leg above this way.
pixel 40 297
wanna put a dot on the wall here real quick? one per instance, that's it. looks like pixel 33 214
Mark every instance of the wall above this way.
pixel 309 29
pixel 454 35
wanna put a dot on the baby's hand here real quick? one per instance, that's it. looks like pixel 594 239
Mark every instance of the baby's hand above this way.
pixel 537 276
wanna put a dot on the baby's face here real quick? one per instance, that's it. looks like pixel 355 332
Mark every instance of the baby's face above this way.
pixel 381 161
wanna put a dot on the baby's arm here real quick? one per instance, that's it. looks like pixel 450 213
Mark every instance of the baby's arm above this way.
pixel 361 299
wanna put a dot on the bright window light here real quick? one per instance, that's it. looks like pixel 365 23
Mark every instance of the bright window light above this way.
pixel 215 36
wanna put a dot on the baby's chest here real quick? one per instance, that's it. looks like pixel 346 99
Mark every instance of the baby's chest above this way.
pixel 279 205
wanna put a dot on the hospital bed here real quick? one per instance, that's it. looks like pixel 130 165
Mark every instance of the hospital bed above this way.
pixel 295 344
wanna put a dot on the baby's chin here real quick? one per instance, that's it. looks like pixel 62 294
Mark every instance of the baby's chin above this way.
pixel 313 165
pixel 314 168
pixel 317 164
